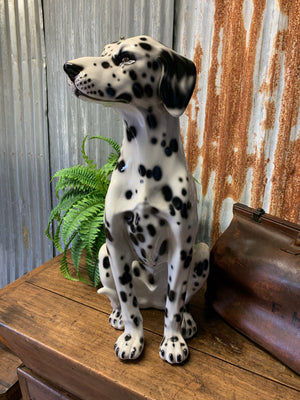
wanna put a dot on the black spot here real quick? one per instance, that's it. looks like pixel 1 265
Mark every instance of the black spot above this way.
pixel 131 133
pixel 172 210
pixel 127 338
pixel 151 120
pixel 108 235
pixel 136 321
pixel 124 96
pixel 140 237
pixel 128 216
pixel 133 239
pixel 183 211
pixel 183 255
pixel 110 91
pixel 151 230
pixel 134 302
pixel 153 140
pixel 143 38
pixel 145 46
pixel 142 170
pixel 128 194
pixel 148 90
pixel 143 252
pixel 154 210
pixel 167 193
pixel 174 145
pixel 126 277
pixel 133 75
pixel 137 90
pixel 100 93
pixel 163 248
pixel 123 296
pixel 179 358
pixel 168 151
pixel 177 317
pixel 105 64
pixel 177 203
pixel 172 295
pixel 155 65
pixel 106 263
pixel 187 262
pixel 163 143
pixel 136 271
pixel 174 339
pixel 183 192
pixel 188 240
pixel 201 267
pixel 157 173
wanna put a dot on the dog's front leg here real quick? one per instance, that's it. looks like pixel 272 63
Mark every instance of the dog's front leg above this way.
pixel 173 347
pixel 131 343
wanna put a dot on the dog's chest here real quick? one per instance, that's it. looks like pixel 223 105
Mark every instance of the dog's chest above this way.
pixel 149 234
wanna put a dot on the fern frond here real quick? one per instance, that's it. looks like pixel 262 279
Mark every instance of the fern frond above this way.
pixel 81 211
pixel 110 141
pixel 56 237
pixel 91 263
pixel 91 164
pixel 64 267
pixel 79 177
pixel 109 167
pixel 76 250
pixel 90 230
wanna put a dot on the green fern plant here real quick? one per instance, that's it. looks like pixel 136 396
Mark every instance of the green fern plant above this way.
pixel 77 220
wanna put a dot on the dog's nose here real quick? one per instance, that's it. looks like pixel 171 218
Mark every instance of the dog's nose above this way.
pixel 72 70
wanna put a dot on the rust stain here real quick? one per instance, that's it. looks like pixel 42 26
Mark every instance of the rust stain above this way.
pixel 192 149
pixel 228 113
pixel 26 236
pixel 286 175
pixel 229 107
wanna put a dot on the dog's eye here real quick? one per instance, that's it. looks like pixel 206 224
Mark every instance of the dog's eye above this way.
pixel 123 58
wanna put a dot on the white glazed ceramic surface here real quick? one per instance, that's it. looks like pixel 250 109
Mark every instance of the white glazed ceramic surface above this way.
pixel 150 258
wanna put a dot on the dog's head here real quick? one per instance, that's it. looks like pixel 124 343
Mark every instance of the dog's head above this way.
pixel 138 71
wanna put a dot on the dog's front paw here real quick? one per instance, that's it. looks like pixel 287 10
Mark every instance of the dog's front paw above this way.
pixel 188 326
pixel 174 349
pixel 129 346
pixel 116 320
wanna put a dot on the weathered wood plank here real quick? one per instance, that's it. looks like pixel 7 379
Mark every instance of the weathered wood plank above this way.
pixel 9 386
pixel 71 344
pixel 214 337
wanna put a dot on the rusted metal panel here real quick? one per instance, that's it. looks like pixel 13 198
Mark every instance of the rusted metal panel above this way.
pixel 241 133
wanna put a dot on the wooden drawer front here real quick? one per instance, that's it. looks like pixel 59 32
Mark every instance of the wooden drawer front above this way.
pixel 36 388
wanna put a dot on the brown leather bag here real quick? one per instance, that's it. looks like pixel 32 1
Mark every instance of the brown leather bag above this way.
pixel 255 281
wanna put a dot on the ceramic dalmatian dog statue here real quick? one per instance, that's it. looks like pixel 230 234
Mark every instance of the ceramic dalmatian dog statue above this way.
pixel 150 258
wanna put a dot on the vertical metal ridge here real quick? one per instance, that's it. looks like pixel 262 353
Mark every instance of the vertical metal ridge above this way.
pixel 24 154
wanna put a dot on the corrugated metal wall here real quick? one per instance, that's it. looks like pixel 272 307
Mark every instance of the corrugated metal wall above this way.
pixel 24 156
pixel 241 130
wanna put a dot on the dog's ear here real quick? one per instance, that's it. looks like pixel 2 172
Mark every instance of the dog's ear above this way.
pixel 177 81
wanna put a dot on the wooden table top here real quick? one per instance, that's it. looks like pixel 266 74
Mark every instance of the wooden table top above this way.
pixel 60 330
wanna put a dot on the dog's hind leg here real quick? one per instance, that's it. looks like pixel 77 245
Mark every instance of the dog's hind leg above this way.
pixel 198 275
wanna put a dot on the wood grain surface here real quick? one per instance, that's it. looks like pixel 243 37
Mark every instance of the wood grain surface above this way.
pixel 60 330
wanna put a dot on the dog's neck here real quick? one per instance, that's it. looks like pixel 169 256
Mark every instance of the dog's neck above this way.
pixel 152 127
